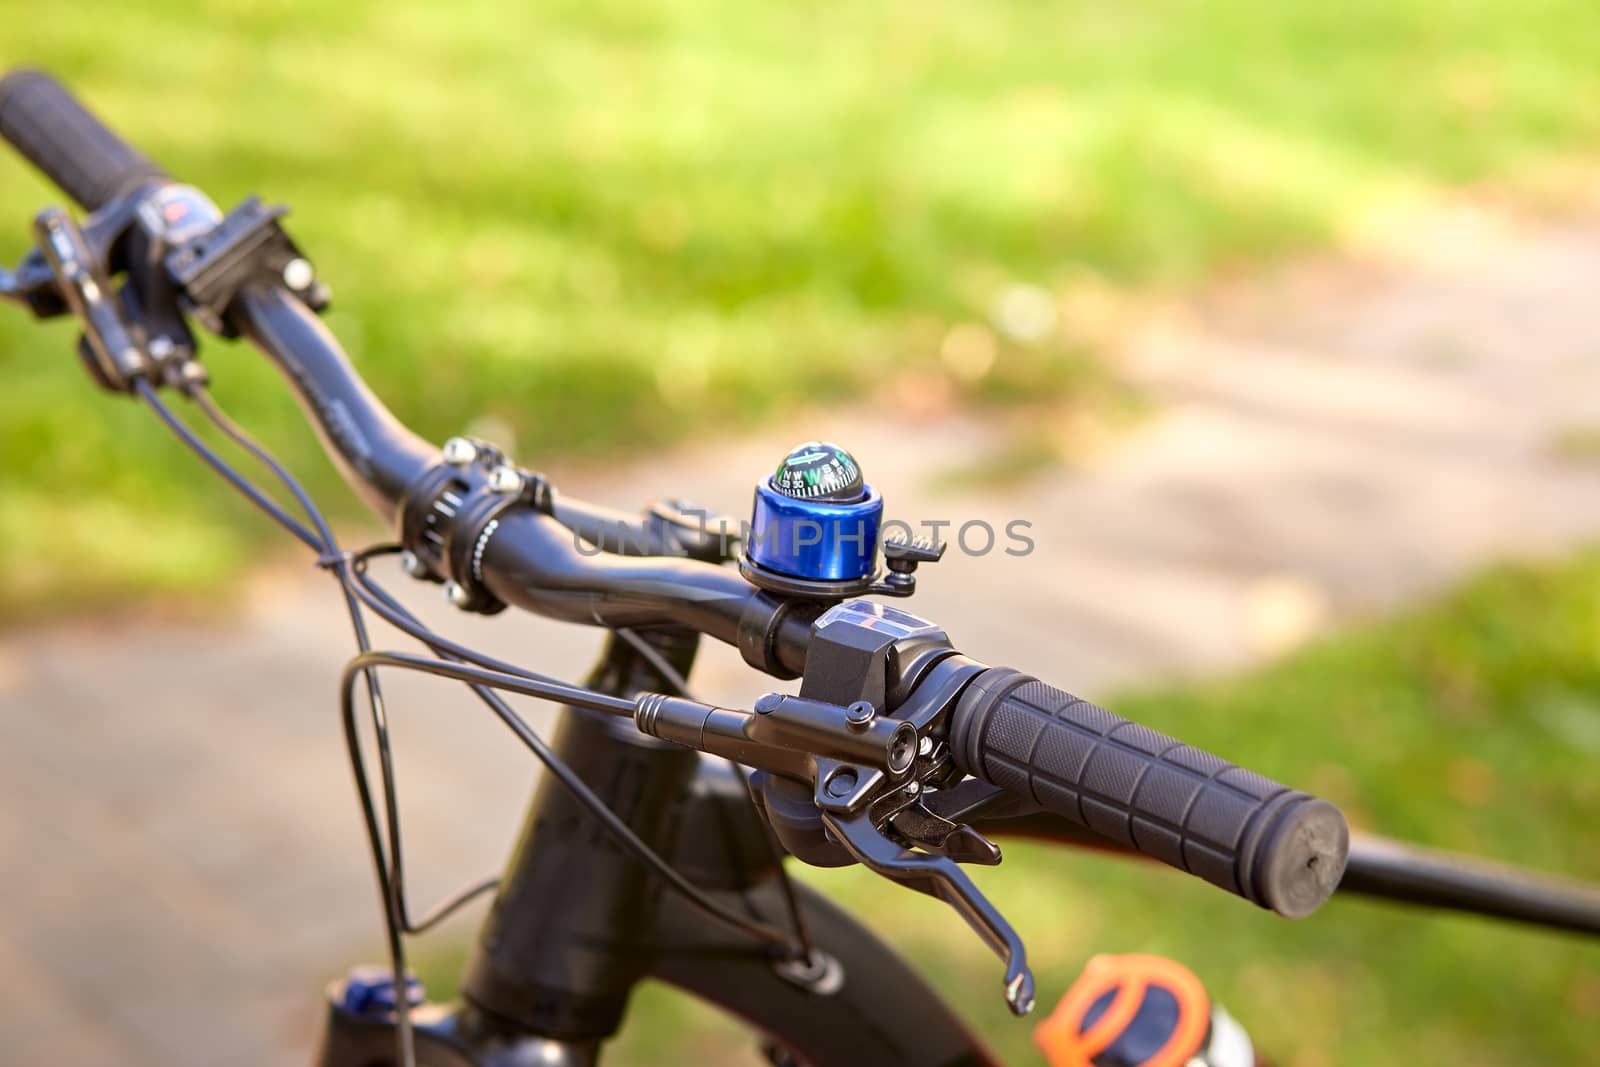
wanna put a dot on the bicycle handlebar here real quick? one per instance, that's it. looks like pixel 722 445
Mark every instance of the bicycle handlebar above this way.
pixel 373 450
pixel 1281 849
pixel 71 147
pixel 533 560
pixel 1274 846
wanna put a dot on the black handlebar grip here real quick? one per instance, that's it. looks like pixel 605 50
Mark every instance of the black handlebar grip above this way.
pixel 69 146
pixel 1272 845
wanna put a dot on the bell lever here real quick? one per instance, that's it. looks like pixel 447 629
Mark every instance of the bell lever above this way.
pixel 901 557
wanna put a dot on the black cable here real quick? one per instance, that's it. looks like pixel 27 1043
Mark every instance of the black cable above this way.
pixel 391 864
pixel 542 688
pixel 658 663
pixel 358 591
pixel 203 400
pixel 216 463
pixel 480 678
pixel 393 612
pixel 387 867
pixel 336 561
pixel 351 570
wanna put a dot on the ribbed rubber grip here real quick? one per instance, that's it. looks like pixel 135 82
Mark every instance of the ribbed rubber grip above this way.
pixel 71 147
pixel 1272 845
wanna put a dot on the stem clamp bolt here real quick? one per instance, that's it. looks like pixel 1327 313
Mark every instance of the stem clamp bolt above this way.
pixel 458 451
pixel 505 481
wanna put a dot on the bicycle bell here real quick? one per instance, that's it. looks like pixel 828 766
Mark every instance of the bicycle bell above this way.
pixel 814 527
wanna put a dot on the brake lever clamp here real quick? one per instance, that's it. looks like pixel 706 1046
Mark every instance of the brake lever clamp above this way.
pixel 247 245
pixel 177 255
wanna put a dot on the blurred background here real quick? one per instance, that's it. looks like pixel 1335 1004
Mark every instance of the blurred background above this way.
pixel 1276 323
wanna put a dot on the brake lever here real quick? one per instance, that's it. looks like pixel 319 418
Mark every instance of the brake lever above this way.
pixel 868 775
pixel 33 285
pixel 940 877
pixel 112 343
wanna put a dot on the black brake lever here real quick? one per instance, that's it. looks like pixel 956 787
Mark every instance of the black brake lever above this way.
pixel 868 775
pixel 80 278
pixel 33 285
pixel 940 877
pixel 857 817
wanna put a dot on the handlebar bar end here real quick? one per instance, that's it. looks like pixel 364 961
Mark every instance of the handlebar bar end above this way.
pixel 1301 857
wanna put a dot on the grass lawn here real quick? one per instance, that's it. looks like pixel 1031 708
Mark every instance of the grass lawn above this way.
pixel 1471 724
pixel 607 226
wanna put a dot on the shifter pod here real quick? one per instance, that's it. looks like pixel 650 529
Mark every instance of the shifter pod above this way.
pixel 814 526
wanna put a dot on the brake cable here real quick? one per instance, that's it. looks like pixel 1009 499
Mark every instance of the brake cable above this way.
pixel 388 867
pixel 359 590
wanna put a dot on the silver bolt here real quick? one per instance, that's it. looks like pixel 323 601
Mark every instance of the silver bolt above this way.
pixel 458 451
pixel 298 275
pixel 913 788
pixel 925 746
pixel 412 564
pixel 457 594
pixel 161 347
pixel 505 480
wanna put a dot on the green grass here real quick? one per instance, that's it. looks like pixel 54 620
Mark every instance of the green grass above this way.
pixel 1471 724
pixel 608 226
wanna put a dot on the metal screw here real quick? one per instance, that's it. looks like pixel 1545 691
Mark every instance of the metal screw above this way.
pixel 298 275
pixel 458 451
pixel 457 594
pixel 925 746
pixel 505 480
pixel 412 564
pixel 913 788
pixel 161 347
pixel 859 714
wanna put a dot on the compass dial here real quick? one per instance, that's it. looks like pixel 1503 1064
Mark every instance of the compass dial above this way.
pixel 820 471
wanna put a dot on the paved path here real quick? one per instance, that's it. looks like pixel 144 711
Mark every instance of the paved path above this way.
pixel 179 853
